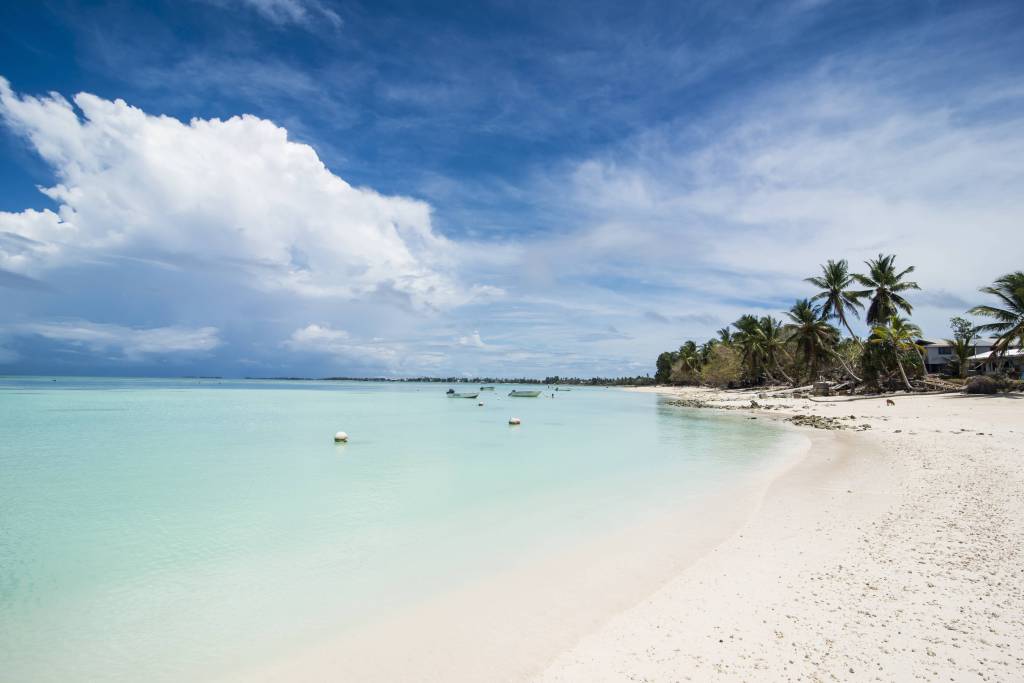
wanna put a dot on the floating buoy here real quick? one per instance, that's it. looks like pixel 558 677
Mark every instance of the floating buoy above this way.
pixel 480 403
pixel 514 421
pixel 340 437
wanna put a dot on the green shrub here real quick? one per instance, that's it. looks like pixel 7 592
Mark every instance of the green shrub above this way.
pixel 724 367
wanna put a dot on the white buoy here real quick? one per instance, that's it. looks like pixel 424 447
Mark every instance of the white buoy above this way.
pixel 480 403
pixel 514 421
pixel 340 437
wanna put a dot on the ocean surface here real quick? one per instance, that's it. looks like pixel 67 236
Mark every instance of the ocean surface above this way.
pixel 166 530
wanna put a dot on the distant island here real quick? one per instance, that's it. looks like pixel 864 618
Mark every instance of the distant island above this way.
pixel 638 381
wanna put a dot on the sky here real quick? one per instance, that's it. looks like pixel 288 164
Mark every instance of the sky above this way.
pixel 319 188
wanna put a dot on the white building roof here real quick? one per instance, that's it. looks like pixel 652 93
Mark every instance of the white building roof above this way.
pixel 943 342
pixel 1011 353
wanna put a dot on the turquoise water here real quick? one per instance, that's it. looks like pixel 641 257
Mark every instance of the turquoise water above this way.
pixel 178 529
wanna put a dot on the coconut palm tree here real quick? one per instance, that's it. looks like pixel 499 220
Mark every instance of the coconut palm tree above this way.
pixel 1009 325
pixel 762 344
pixel 774 344
pixel 813 336
pixel 839 302
pixel 963 349
pixel 706 349
pixel 725 335
pixel 884 287
pixel 689 356
pixel 898 335
pixel 747 338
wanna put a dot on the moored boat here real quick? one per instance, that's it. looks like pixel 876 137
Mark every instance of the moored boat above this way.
pixel 486 388
pixel 523 394
pixel 462 394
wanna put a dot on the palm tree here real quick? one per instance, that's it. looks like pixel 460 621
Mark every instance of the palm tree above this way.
pixel 899 335
pixel 761 344
pixel 838 300
pixel 689 356
pixel 811 334
pixel 725 336
pixel 747 338
pixel 885 285
pixel 705 350
pixel 963 349
pixel 1009 325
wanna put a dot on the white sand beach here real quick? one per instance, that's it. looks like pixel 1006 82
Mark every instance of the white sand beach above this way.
pixel 891 554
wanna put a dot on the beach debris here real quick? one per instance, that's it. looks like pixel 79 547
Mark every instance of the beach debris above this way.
pixel 514 421
pixel 692 403
pixel 754 404
pixel 816 421
pixel 340 437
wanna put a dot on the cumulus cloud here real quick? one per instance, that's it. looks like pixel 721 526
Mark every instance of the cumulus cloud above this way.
pixel 233 193
pixel 323 339
pixel 132 343
pixel 471 340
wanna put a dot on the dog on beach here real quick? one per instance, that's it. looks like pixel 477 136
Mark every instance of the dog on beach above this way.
pixel 890 402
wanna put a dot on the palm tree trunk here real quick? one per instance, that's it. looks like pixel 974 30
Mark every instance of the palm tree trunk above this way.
pixel 783 373
pixel 903 373
pixel 853 336
pixel 846 367
pixel 924 365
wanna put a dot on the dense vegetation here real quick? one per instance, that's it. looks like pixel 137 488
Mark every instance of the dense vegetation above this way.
pixel 807 343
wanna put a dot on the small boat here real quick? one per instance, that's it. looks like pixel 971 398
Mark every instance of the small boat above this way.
pixel 486 388
pixel 562 389
pixel 524 394
pixel 462 394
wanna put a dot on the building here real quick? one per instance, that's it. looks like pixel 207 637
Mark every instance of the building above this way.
pixel 1010 363
pixel 938 353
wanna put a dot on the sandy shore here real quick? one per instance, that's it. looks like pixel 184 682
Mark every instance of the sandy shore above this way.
pixel 893 552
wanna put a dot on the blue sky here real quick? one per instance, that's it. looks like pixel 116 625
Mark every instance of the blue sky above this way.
pixel 309 187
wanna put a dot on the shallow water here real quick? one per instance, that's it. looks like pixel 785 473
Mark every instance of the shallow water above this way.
pixel 180 529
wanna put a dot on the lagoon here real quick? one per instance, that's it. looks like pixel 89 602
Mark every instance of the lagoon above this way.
pixel 156 529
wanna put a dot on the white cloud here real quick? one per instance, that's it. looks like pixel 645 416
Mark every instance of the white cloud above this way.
pixel 306 12
pixel 823 167
pixel 234 193
pixel 338 343
pixel 471 340
pixel 133 343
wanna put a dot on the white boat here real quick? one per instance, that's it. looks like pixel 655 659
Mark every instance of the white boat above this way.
pixel 486 388
pixel 462 394
pixel 523 394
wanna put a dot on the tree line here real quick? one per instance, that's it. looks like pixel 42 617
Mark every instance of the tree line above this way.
pixel 807 343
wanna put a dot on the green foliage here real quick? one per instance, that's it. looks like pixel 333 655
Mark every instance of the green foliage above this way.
pixel 838 301
pixel 897 339
pixel 962 328
pixel 664 367
pixel 885 286
pixel 1009 316
pixel 758 348
pixel 724 367
pixel 812 336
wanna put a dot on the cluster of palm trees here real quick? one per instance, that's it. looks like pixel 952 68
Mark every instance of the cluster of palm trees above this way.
pixel 807 344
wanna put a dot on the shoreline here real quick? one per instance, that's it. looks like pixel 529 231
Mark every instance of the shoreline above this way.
pixel 870 554
pixel 511 625
pixel 902 562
